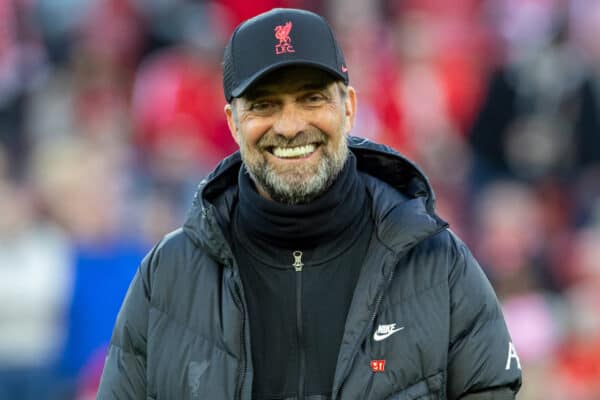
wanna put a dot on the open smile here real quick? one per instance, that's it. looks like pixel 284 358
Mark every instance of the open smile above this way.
pixel 294 152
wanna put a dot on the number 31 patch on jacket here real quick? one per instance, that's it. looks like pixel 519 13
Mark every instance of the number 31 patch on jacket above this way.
pixel 378 365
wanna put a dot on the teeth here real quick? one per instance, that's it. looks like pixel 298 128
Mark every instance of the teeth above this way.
pixel 291 152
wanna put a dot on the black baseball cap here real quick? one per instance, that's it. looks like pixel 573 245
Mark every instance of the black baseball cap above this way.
pixel 277 38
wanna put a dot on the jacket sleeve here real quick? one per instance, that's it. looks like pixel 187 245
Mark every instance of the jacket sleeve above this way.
pixel 124 374
pixel 482 361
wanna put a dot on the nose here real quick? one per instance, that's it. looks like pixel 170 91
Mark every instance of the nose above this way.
pixel 290 121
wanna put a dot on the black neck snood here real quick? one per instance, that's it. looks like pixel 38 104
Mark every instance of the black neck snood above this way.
pixel 306 225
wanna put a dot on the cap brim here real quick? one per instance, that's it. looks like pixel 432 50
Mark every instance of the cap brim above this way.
pixel 247 83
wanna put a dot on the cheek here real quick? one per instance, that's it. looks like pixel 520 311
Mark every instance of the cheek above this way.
pixel 334 126
pixel 252 131
pixel 333 120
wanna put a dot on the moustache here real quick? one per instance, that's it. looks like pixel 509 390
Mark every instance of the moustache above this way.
pixel 270 140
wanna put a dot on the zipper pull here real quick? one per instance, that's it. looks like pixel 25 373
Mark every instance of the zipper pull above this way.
pixel 297 261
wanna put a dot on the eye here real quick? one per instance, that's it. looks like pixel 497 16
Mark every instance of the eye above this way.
pixel 314 98
pixel 262 106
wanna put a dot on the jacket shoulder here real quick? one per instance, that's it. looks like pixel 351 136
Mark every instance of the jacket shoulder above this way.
pixel 444 240
pixel 175 247
pixel 175 257
pixel 172 244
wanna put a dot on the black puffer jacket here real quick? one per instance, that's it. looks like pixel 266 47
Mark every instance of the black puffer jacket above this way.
pixel 424 321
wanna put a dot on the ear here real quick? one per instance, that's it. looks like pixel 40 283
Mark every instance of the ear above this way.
pixel 350 103
pixel 231 122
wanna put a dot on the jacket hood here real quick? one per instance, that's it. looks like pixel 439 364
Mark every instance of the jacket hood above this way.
pixel 404 207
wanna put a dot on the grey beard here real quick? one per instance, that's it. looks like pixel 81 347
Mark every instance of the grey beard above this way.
pixel 289 191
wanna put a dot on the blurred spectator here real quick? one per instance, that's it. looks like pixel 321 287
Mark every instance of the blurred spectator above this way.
pixel 585 29
pixel 83 184
pixel 430 63
pixel 178 123
pixel 538 120
pixel 359 32
pixel 577 366
pixel 35 277
pixel 122 44
pixel 22 67
pixel 57 22
pixel 179 127
pixel 241 10
pixel 88 95
pixel 510 238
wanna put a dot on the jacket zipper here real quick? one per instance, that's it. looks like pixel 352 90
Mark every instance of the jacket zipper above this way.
pixel 299 334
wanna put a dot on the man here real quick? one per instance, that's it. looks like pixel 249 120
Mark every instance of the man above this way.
pixel 312 264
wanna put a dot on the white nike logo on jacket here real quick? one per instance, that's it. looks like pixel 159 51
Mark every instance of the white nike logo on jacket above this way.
pixel 385 331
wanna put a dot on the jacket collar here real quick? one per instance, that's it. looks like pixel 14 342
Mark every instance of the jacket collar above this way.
pixel 403 206
pixel 403 199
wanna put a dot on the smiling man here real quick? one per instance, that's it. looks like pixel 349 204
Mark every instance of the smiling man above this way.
pixel 312 264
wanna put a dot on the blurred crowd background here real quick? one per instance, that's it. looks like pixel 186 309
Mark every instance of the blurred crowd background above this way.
pixel 111 112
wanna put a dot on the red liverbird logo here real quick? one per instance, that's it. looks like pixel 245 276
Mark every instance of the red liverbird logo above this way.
pixel 282 33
